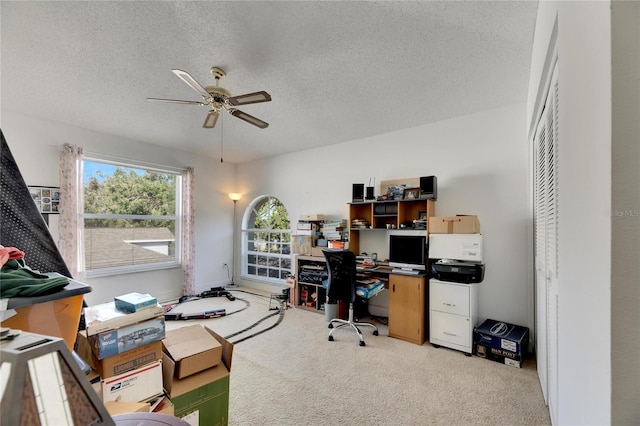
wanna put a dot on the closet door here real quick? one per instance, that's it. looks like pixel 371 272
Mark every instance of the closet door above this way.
pixel 546 245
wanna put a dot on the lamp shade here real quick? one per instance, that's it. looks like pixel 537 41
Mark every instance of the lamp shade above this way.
pixel 235 196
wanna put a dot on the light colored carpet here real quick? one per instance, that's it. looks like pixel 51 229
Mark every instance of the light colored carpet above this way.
pixel 291 375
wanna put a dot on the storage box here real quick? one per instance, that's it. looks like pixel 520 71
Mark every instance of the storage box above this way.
pixel 106 316
pixel 120 363
pixel 510 340
pixel 497 355
pixel 110 343
pixel 131 302
pixel 137 385
pixel 192 349
pixel 118 407
pixel 312 217
pixel 56 314
pixel 460 224
pixel 203 398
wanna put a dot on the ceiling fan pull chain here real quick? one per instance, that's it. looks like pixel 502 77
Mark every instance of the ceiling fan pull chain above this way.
pixel 221 137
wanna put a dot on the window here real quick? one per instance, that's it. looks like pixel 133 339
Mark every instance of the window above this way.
pixel 130 217
pixel 267 241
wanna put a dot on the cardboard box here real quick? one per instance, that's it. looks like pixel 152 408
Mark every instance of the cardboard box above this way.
pixel 203 398
pixel 312 217
pixel 192 349
pixel 510 340
pixel 119 363
pixel 106 316
pixel 460 224
pixel 497 355
pixel 137 385
pixel 110 343
pixel 119 407
pixel 132 302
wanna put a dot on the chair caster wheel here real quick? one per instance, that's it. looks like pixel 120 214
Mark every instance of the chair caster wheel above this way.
pixel 331 338
pixel 362 343
pixel 330 325
pixel 375 332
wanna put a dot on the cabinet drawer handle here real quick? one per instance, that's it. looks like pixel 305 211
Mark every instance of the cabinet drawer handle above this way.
pixel 449 304
pixel 449 334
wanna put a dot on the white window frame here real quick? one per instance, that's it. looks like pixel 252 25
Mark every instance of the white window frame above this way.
pixel 177 262
pixel 245 252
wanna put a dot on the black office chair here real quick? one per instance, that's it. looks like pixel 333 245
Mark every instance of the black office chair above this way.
pixel 342 287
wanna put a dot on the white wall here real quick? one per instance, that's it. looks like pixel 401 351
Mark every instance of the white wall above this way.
pixel 34 144
pixel 481 164
pixel 585 206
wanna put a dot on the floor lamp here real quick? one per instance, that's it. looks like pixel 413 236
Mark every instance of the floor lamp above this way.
pixel 234 196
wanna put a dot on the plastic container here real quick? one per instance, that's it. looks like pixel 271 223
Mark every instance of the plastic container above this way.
pixel 56 314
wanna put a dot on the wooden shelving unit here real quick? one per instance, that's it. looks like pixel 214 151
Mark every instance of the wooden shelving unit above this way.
pixel 379 214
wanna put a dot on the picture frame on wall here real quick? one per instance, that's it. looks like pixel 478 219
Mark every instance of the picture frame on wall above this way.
pixel 411 194
pixel 47 198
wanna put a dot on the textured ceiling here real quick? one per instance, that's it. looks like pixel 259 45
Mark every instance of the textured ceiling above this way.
pixel 337 71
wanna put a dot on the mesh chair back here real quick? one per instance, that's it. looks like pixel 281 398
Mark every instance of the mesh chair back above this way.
pixel 342 275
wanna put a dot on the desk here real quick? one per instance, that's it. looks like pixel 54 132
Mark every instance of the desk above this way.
pixel 408 318
pixel 407 304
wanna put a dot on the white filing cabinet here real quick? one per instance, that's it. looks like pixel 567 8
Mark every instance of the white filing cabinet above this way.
pixel 452 315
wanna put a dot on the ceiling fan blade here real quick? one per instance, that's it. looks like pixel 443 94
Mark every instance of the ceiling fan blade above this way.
pixel 211 119
pixel 176 101
pixel 186 77
pixel 249 118
pixel 250 98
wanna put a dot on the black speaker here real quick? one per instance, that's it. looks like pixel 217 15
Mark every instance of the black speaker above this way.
pixel 358 192
pixel 370 195
pixel 429 187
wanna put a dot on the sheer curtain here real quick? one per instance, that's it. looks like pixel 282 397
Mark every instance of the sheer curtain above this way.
pixel 71 210
pixel 188 237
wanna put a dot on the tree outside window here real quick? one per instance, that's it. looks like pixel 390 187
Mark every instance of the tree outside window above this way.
pixel 267 239
pixel 130 217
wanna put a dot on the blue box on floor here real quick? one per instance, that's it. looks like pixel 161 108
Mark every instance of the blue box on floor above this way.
pixel 511 340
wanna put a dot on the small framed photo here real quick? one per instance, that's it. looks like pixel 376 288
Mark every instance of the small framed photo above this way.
pixel 411 194
pixel 422 215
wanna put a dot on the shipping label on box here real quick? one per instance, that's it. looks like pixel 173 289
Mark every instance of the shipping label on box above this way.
pixel 504 337
pixel 124 339
pixel 120 363
pixel 137 385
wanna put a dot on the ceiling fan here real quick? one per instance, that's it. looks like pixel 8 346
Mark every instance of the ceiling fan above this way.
pixel 219 98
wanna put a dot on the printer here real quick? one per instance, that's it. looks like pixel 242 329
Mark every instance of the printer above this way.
pixel 458 271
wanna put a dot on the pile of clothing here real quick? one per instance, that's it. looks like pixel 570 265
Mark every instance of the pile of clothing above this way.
pixel 18 280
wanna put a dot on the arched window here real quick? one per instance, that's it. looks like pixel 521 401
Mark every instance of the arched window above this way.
pixel 266 241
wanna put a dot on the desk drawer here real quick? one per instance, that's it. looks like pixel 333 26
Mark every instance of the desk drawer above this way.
pixel 449 297
pixel 450 328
